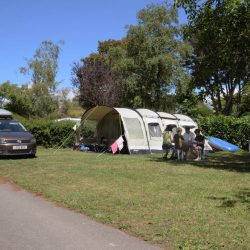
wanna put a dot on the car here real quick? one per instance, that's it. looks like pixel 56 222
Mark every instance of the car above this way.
pixel 15 140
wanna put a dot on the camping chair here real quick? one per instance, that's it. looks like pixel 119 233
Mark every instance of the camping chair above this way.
pixel 103 145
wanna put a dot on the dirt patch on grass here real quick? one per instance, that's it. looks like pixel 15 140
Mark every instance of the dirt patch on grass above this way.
pixel 13 186
pixel 4 181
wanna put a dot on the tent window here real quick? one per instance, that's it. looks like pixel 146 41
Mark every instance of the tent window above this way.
pixel 134 128
pixel 154 130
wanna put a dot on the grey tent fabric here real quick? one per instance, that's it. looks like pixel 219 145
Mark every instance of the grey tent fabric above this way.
pixel 141 129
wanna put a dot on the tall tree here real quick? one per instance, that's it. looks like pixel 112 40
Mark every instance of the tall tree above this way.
pixel 43 102
pixel 43 69
pixel 156 49
pixel 219 31
pixel 97 83
pixel 44 64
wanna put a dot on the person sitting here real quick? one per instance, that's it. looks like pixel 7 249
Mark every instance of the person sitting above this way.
pixel 200 142
pixel 179 144
pixel 189 138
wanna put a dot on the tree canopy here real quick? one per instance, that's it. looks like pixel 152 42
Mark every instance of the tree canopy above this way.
pixel 44 64
pixel 154 47
pixel 219 32
pixel 97 83
pixel 15 98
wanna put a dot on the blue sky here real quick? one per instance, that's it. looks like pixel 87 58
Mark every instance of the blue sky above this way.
pixel 24 24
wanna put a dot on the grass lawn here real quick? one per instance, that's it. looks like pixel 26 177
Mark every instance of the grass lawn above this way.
pixel 192 205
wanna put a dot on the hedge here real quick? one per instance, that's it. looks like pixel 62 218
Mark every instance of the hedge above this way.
pixel 231 129
pixel 53 134
pixel 50 133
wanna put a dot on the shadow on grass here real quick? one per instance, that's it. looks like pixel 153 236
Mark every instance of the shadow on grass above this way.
pixel 17 157
pixel 239 162
pixel 240 197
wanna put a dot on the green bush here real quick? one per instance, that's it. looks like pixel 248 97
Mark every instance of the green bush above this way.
pixel 50 133
pixel 231 129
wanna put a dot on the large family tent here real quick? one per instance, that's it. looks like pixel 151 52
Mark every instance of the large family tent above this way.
pixel 111 123
pixel 153 128
pixel 141 129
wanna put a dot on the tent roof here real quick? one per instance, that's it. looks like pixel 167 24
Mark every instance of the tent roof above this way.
pixel 96 113
pixel 186 121
pixel 129 113
pixel 183 118
pixel 167 116
pixel 148 113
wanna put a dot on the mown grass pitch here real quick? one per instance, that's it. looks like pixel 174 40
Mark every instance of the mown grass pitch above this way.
pixel 190 205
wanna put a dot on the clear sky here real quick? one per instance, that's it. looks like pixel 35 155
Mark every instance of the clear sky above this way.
pixel 24 24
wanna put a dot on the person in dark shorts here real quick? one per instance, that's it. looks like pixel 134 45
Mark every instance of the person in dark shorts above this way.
pixel 200 142
pixel 167 145
pixel 179 144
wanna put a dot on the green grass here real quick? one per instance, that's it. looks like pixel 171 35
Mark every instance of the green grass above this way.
pixel 192 205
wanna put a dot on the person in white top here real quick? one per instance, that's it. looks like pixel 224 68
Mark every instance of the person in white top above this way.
pixel 189 138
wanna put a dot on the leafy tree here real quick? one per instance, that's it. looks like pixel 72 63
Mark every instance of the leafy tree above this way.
pixel 26 101
pixel 156 50
pixel 43 102
pixel 3 93
pixel 64 102
pixel 244 106
pixel 219 32
pixel 105 46
pixel 16 99
pixel 44 64
pixel 114 54
pixel 97 83
pixel 75 110
pixel 43 69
